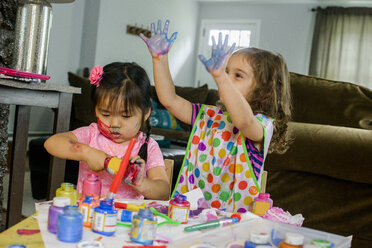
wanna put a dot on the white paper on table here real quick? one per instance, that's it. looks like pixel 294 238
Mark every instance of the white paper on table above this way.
pixel 193 196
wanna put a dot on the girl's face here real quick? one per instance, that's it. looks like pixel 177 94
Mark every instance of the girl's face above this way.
pixel 117 125
pixel 241 74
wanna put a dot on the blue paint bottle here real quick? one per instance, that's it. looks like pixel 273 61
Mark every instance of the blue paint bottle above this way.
pixel 104 218
pixel 144 227
pixel 70 225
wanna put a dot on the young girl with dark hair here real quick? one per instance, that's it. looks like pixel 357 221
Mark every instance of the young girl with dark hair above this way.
pixel 122 101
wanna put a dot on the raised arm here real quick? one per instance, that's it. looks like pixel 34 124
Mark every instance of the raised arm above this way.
pixel 66 146
pixel 238 107
pixel 159 46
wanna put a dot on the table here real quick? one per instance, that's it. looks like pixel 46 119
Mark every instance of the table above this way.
pixel 25 95
pixel 10 235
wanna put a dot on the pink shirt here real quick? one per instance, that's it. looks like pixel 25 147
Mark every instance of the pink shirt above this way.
pixel 91 136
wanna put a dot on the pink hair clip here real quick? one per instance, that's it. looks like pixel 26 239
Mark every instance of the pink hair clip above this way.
pixel 96 75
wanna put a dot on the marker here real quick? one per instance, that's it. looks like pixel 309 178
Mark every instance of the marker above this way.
pixel 212 224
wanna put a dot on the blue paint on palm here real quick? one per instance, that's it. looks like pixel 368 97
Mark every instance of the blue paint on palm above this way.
pixel 219 54
pixel 159 44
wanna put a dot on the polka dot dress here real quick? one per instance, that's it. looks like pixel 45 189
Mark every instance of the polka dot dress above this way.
pixel 217 163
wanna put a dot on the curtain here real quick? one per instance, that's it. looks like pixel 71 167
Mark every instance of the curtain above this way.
pixel 342 45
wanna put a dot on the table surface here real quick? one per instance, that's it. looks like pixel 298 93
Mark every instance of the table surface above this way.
pixel 10 236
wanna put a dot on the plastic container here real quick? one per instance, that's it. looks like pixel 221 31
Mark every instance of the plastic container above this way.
pixel 57 208
pixel 104 218
pixel 86 207
pixel 67 190
pixel 262 203
pixel 144 226
pixel 70 225
pixel 292 240
pixel 92 185
pixel 221 237
pixel 179 208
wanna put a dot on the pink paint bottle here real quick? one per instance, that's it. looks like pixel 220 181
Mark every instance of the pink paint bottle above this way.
pixel 92 185
pixel 179 208
pixel 262 203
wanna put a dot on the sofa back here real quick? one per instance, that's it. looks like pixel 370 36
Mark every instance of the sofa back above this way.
pixel 321 101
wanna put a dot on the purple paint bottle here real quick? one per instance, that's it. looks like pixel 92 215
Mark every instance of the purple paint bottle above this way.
pixel 58 204
pixel 92 185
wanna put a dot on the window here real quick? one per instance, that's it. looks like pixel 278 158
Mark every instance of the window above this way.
pixel 244 33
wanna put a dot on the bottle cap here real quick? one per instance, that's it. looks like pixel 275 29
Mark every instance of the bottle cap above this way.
pixel 294 239
pixel 67 186
pixel 264 195
pixel 259 238
pixel 92 177
pixel 321 243
pixel 60 201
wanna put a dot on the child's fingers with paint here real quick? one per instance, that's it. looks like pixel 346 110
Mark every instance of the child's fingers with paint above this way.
pixel 158 43
pixel 219 57
pixel 135 171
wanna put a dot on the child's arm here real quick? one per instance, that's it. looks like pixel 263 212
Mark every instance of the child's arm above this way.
pixel 238 107
pixel 155 185
pixel 159 46
pixel 66 146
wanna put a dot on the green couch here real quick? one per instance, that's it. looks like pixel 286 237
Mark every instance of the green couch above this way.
pixel 326 175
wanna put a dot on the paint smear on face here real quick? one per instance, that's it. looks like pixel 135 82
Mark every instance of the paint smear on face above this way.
pixel 103 128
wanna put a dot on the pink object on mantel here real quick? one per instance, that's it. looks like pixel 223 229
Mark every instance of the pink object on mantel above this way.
pixel 92 185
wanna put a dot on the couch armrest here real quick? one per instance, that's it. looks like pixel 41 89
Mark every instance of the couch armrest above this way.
pixel 338 152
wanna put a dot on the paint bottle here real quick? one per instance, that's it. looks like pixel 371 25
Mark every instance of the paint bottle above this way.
pixel 125 215
pixel 292 240
pixel 262 203
pixel 86 208
pixel 58 204
pixel 256 239
pixel 133 173
pixel 179 208
pixel 144 225
pixel 104 218
pixel 67 190
pixel 17 246
pixel 70 225
pixel 92 185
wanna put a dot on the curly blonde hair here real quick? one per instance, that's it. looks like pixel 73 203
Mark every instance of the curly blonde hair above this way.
pixel 272 94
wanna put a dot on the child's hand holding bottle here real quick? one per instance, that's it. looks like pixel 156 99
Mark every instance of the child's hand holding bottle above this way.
pixel 159 44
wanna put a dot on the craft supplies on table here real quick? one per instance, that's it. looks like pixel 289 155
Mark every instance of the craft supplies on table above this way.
pixel 173 235
pixel 144 226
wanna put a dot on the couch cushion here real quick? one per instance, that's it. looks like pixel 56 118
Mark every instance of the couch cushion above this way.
pixel 339 152
pixel 82 106
pixel 323 101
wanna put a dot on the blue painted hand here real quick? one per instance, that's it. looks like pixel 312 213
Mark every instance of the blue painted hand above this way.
pixel 159 44
pixel 219 54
